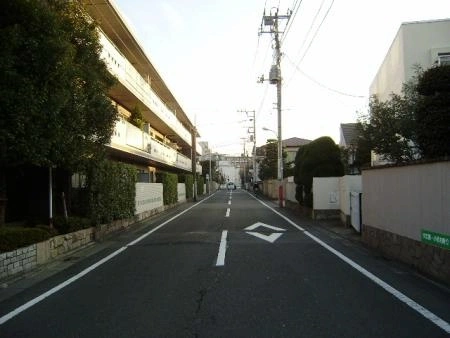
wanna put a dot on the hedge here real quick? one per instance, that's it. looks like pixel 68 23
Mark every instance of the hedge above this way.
pixel 170 189
pixel 111 188
pixel 188 180
pixel 12 238
pixel 200 185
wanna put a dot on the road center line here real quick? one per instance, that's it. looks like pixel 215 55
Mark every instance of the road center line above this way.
pixel 222 249
pixel 69 281
pixel 394 292
pixel 228 212
pixel 229 202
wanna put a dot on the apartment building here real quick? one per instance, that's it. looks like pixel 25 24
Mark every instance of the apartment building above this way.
pixel 168 138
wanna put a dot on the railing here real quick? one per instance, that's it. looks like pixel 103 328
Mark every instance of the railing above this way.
pixel 128 136
pixel 125 72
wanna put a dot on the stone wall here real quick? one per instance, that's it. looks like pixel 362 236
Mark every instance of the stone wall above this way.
pixel 428 259
pixel 27 258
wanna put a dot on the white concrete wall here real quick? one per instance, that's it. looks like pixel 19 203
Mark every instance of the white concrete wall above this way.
pixel 326 193
pixel 149 196
pixel 404 200
pixel 347 184
pixel 289 189
pixel 181 188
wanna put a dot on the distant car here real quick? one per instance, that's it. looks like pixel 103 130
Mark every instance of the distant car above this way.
pixel 231 186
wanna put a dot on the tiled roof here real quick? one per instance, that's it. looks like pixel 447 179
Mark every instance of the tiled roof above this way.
pixel 295 142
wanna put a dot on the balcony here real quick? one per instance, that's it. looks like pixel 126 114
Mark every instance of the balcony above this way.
pixel 128 138
pixel 129 78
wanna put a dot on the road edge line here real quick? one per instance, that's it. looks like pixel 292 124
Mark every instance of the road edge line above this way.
pixel 388 288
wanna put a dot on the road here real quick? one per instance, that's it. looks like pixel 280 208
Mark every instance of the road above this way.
pixel 229 265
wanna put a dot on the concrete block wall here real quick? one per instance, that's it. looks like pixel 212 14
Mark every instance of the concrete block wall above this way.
pixel 181 188
pixel 18 261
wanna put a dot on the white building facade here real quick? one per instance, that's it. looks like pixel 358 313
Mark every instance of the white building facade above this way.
pixel 424 43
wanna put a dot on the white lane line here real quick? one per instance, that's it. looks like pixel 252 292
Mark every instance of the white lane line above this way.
pixel 397 294
pixel 72 279
pixel 222 249
pixel 229 202
pixel 228 212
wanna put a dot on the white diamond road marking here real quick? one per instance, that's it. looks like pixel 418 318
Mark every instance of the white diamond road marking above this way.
pixel 269 238
pixel 260 224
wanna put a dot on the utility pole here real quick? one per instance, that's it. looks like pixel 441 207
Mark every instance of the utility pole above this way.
pixel 251 114
pixel 275 78
pixel 244 160
pixel 194 159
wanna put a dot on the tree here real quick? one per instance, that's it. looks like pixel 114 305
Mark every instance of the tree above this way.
pixel 268 167
pixel 415 123
pixel 53 86
pixel 319 158
pixel 433 112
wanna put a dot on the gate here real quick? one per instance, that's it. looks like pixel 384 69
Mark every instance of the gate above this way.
pixel 355 210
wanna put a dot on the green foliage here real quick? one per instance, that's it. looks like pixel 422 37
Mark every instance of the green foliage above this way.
pixel 268 168
pixel 434 81
pixel 433 112
pixel 320 158
pixel 111 188
pixel 170 191
pixel 200 185
pixel 205 167
pixel 53 85
pixel 72 224
pixel 390 127
pixel 414 124
pixel 12 238
pixel 136 117
pixel 188 180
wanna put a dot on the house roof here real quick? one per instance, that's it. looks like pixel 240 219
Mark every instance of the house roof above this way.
pixel 349 134
pixel 295 142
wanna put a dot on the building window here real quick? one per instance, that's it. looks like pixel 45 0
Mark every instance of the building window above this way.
pixel 444 59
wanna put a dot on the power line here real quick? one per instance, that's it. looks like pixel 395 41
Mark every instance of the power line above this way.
pixel 312 40
pixel 321 84
pixel 317 31
pixel 295 9
pixel 310 27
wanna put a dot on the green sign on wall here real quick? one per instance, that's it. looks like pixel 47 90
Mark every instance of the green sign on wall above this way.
pixel 437 239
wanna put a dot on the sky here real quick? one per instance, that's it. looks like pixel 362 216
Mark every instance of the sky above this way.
pixel 210 54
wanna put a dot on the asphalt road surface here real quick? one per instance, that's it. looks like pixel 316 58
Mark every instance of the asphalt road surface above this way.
pixel 228 266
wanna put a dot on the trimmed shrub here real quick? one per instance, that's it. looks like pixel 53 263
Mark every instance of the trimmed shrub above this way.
pixel 71 224
pixel 12 238
pixel 170 192
pixel 111 188
pixel 188 180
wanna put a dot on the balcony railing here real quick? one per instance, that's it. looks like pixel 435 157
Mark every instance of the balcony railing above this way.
pixel 127 75
pixel 127 137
